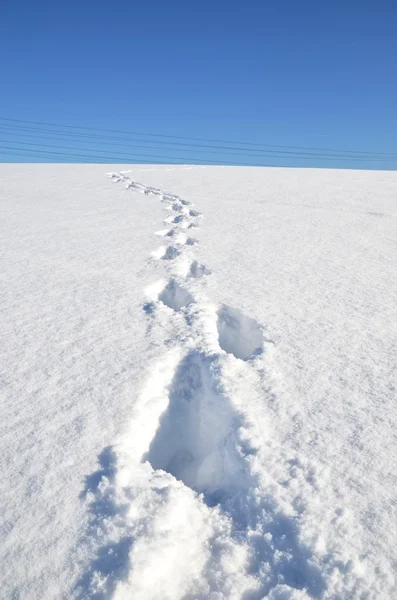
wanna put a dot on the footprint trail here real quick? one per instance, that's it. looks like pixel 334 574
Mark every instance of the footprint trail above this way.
pixel 198 483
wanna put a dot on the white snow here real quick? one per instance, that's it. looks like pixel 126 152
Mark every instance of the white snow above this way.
pixel 198 377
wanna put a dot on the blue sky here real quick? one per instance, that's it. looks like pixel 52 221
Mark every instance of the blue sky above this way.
pixel 307 74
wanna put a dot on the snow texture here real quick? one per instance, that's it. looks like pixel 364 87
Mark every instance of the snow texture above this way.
pixel 198 417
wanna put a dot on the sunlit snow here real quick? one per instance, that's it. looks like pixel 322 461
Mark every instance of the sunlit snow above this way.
pixel 207 416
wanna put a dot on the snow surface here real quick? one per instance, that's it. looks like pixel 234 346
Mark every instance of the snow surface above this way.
pixel 198 377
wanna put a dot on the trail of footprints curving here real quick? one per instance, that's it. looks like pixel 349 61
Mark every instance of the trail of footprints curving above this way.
pixel 197 439
pixel 193 425
pixel 238 334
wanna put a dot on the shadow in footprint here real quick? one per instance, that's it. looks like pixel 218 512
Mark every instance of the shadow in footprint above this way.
pixel 190 241
pixel 175 296
pixel 198 270
pixel 197 440
pixel 239 335
pixel 170 253
pixel 179 219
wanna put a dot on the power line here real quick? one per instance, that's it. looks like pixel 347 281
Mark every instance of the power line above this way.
pixel 132 143
pixel 58 147
pixel 89 160
pixel 339 151
pixel 202 148
pixel 277 154
pixel 123 159
pixel 73 155
pixel 136 157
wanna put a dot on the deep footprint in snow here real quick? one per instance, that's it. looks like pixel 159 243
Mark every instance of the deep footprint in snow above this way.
pixel 190 241
pixel 177 206
pixel 179 219
pixel 175 296
pixel 168 253
pixel 239 335
pixel 197 438
pixel 152 191
pixel 183 221
pixel 183 240
pixel 197 270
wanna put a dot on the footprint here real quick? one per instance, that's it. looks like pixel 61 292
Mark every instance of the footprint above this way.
pixel 148 191
pixel 197 438
pixel 177 206
pixel 136 186
pixel 190 241
pixel 179 219
pixel 174 296
pixel 194 213
pixel 239 335
pixel 181 239
pixel 169 197
pixel 182 220
pixel 198 270
pixel 167 232
pixel 171 253
pixel 166 253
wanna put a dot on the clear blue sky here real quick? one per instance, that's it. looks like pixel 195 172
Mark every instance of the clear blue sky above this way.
pixel 313 74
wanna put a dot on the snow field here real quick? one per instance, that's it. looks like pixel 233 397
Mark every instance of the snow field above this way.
pixel 188 503
pixel 198 385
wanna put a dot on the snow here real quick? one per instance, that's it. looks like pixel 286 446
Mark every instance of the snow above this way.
pixel 198 377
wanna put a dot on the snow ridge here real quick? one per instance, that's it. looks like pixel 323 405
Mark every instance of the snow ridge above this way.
pixel 196 499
